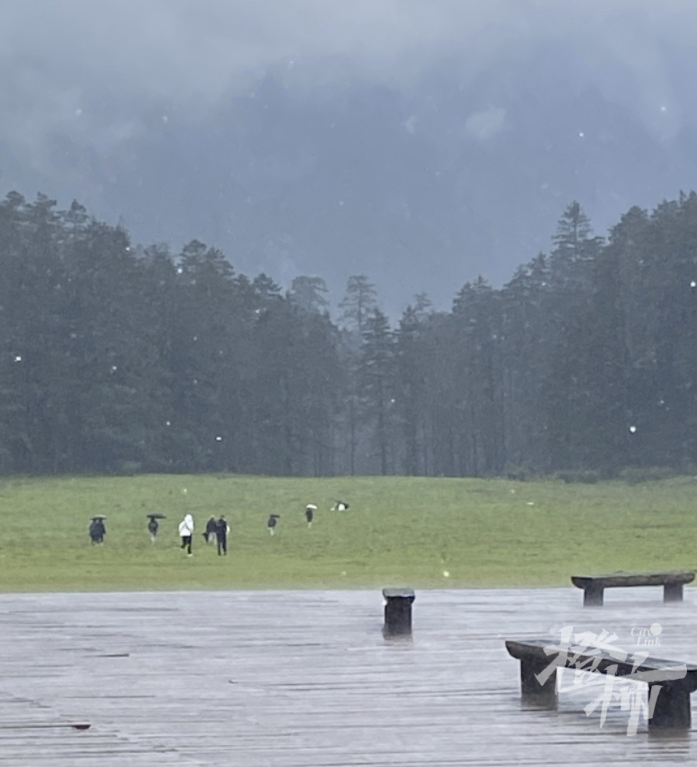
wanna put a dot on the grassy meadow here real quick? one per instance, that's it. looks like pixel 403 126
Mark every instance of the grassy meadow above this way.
pixel 398 531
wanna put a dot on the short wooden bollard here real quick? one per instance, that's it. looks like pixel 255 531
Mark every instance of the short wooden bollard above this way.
pixel 398 604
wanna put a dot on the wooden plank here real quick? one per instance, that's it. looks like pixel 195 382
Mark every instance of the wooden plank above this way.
pixel 539 649
pixel 303 679
pixel 617 580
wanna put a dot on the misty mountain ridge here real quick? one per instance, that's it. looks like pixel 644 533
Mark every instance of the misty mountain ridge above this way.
pixel 420 188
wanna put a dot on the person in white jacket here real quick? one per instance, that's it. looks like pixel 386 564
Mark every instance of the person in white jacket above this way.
pixel 186 531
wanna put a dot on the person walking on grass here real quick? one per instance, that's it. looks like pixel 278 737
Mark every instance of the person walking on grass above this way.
pixel 211 530
pixel 97 530
pixel 153 527
pixel 186 533
pixel 221 533
pixel 310 510
pixel 272 522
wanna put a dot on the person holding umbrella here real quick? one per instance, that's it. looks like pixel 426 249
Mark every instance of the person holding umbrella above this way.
pixel 272 522
pixel 186 533
pixel 153 525
pixel 310 510
pixel 97 529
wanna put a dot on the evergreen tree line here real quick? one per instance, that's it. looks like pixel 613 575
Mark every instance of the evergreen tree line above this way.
pixel 122 358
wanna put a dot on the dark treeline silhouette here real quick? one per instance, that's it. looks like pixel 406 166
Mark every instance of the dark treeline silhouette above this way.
pixel 117 358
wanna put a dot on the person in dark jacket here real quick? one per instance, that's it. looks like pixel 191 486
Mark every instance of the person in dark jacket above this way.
pixel 153 527
pixel 97 530
pixel 310 510
pixel 211 530
pixel 221 532
pixel 272 522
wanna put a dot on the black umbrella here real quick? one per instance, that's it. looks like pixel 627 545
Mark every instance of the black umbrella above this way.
pixel 156 516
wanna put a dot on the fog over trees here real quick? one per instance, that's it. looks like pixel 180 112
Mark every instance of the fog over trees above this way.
pixel 116 357
pixel 419 143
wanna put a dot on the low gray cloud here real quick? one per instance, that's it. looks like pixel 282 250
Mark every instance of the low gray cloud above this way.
pixel 55 54
pixel 484 125
pixel 135 108
pixel 87 77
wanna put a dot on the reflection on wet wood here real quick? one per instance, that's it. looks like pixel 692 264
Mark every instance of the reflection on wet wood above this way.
pixel 307 678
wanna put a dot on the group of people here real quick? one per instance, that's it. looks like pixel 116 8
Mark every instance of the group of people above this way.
pixel 216 532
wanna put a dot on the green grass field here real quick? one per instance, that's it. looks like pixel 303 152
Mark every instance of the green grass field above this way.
pixel 398 531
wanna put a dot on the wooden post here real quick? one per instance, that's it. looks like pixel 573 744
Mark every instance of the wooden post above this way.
pixel 672 707
pixel 593 596
pixel 398 604
pixel 672 592
pixel 532 690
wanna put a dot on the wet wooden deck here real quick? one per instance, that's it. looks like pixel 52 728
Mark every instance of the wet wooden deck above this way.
pixel 306 678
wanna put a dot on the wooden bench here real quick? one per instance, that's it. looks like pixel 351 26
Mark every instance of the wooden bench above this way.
pixel 398 604
pixel 676 680
pixel 594 585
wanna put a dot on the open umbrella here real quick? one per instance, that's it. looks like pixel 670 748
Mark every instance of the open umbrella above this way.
pixel 156 516
pixel 98 516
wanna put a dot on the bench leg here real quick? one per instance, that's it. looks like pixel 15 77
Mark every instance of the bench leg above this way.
pixel 672 708
pixel 593 597
pixel 532 691
pixel 672 592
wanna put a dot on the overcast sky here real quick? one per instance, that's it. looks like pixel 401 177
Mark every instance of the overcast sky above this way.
pixel 69 64
pixel 83 81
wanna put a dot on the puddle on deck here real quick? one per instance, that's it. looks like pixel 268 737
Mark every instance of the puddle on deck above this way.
pixel 306 678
